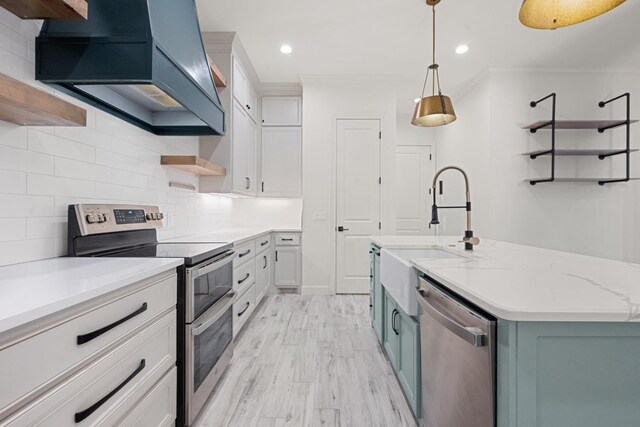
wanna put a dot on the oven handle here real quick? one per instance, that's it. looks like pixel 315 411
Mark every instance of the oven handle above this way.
pixel 224 260
pixel 218 309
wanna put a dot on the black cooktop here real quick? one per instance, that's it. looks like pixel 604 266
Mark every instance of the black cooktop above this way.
pixel 192 253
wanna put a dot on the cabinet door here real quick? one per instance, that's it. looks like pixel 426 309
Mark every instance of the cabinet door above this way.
pixel 287 267
pixel 378 297
pixel 239 83
pixel 263 274
pixel 281 111
pixel 391 331
pixel 281 162
pixel 251 101
pixel 252 162
pixel 409 359
pixel 241 147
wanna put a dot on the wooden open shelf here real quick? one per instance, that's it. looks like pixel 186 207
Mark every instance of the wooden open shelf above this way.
pixel 26 105
pixel 47 9
pixel 218 77
pixel 193 164
pixel 578 152
pixel 577 124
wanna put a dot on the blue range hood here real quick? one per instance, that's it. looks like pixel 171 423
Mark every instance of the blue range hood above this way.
pixel 140 60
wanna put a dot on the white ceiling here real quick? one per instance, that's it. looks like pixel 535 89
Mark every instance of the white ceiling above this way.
pixel 393 37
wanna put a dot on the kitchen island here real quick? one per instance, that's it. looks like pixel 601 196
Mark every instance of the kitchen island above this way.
pixel 567 327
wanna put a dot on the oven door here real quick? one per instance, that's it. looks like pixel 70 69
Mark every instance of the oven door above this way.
pixel 207 283
pixel 209 350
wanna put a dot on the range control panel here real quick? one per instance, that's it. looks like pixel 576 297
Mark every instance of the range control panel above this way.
pixel 98 219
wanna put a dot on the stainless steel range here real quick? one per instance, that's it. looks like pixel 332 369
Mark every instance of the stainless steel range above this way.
pixel 205 289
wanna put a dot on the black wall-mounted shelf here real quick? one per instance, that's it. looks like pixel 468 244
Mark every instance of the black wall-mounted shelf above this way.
pixel 600 125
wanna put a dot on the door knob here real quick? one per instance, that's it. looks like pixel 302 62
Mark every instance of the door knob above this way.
pixel 341 229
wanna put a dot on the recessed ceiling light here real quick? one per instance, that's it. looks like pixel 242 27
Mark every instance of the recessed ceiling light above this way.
pixel 416 100
pixel 286 49
pixel 462 49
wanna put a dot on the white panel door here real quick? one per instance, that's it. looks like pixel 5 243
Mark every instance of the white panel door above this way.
pixel 281 111
pixel 288 274
pixel 281 162
pixel 357 201
pixel 414 173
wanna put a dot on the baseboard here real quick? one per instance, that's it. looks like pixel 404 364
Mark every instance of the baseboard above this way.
pixel 316 290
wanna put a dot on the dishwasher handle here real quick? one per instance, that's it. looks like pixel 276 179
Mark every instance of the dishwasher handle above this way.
pixel 473 336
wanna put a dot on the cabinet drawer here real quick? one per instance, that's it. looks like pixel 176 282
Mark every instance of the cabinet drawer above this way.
pixel 263 243
pixel 288 239
pixel 108 389
pixel 24 366
pixel 158 408
pixel 242 309
pixel 244 276
pixel 246 251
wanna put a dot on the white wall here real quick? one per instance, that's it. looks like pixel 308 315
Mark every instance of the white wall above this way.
pixel 488 142
pixel 44 169
pixel 325 100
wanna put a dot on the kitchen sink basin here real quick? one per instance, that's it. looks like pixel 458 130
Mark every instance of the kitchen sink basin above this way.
pixel 399 277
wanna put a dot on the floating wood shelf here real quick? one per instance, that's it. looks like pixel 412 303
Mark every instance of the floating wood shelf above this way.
pixel 193 164
pixel 182 186
pixel 577 124
pixel 47 9
pixel 26 105
pixel 218 77
pixel 580 152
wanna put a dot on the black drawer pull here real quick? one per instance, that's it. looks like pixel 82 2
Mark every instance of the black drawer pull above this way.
pixel 83 339
pixel 245 309
pixel 82 415
pixel 287 240
pixel 244 254
pixel 241 281
pixel 264 243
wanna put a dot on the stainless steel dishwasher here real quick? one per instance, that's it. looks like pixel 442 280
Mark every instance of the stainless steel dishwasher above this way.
pixel 458 361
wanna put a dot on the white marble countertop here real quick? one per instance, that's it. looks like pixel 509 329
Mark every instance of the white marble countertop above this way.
pixel 231 235
pixel 34 290
pixel 523 283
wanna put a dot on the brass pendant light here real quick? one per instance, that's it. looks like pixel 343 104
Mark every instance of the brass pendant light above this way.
pixel 437 109
pixel 552 14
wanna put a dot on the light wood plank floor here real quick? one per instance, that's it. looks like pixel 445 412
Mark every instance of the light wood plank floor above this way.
pixel 308 361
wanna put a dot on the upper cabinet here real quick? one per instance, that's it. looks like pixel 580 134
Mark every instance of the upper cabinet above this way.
pixel 244 134
pixel 243 91
pixel 281 162
pixel 282 111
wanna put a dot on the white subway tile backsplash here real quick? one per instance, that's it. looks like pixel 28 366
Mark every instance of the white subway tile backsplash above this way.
pixel 46 227
pixel 68 168
pixel 13 135
pixel 45 185
pixel 13 229
pixel 84 135
pixel 50 144
pixel 14 205
pixel 13 41
pixel 13 182
pixel 26 250
pixel 16 159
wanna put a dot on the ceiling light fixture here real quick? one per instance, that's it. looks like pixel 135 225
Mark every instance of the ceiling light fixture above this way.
pixel 552 14
pixel 286 49
pixel 462 49
pixel 437 109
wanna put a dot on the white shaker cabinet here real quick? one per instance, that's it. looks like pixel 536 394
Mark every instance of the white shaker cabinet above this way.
pixel 244 152
pixel 243 91
pixel 288 261
pixel 281 111
pixel 281 162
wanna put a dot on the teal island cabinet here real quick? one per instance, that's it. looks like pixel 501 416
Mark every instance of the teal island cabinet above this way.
pixel 567 330
pixel 399 335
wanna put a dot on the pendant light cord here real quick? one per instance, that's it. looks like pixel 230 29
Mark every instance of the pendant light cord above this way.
pixel 435 71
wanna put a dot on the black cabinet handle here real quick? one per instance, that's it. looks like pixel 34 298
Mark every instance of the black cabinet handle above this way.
pixel 265 262
pixel 241 281
pixel 83 339
pixel 245 309
pixel 264 243
pixel 394 322
pixel 82 415
pixel 287 240
pixel 263 186
pixel 244 254
pixel 276 256
pixel 248 107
